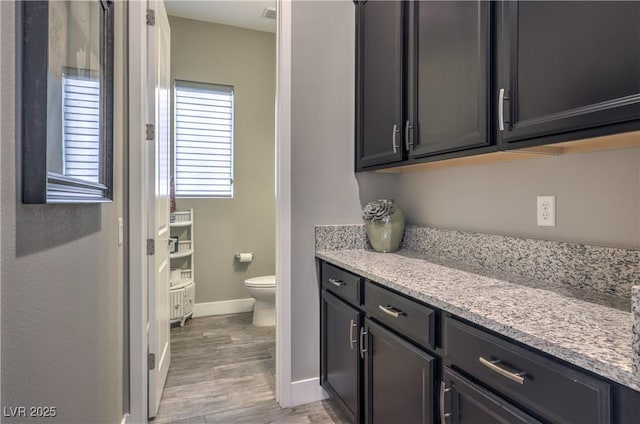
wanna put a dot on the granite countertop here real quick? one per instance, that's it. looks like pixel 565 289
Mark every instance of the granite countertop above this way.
pixel 594 334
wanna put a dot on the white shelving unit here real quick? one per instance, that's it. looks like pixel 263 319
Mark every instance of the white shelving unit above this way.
pixel 182 286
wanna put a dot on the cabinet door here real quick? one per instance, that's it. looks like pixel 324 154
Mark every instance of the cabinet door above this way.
pixel 567 66
pixel 339 358
pixel 465 403
pixel 379 82
pixel 449 47
pixel 399 383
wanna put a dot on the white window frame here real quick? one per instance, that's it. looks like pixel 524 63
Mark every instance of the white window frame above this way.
pixel 182 190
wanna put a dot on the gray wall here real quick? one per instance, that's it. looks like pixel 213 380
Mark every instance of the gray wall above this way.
pixel 214 53
pixel 62 285
pixel 597 197
pixel 324 189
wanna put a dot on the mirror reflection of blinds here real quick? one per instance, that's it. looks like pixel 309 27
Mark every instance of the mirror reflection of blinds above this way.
pixel 203 140
pixel 81 127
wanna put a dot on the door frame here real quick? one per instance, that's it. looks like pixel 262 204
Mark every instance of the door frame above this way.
pixel 1 138
pixel 137 217
pixel 137 235
pixel 283 203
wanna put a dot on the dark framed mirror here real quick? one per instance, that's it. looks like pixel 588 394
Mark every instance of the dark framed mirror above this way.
pixel 67 101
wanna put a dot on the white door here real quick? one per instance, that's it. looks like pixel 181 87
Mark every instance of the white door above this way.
pixel 158 114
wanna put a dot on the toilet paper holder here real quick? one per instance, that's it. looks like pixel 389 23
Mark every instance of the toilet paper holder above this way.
pixel 239 256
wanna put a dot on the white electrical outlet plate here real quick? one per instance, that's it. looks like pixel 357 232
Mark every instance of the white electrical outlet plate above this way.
pixel 546 211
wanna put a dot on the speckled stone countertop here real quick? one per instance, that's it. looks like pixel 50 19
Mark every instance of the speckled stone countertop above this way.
pixel 595 334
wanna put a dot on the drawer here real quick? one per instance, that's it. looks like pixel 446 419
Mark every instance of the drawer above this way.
pixel 341 283
pixel 408 317
pixel 548 388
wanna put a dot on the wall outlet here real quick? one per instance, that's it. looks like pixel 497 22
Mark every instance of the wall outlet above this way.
pixel 546 211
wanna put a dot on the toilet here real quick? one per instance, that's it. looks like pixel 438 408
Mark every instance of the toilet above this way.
pixel 263 290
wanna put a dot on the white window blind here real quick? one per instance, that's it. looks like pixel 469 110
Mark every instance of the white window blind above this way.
pixel 81 126
pixel 203 140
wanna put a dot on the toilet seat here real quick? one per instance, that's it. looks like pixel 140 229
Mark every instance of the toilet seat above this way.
pixel 263 281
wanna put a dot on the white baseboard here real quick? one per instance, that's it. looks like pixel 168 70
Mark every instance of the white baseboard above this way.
pixel 223 308
pixel 307 391
pixel 124 419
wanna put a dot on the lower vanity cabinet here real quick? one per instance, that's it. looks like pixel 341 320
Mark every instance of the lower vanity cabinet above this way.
pixel 366 364
pixel 399 379
pixel 463 402
pixel 340 368
pixel 388 358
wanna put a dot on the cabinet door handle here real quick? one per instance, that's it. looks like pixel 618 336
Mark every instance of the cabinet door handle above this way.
pixel 351 327
pixel 336 282
pixel 518 377
pixel 393 138
pixel 391 311
pixel 501 109
pixel 362 349
pixel 407 140
pixel 443 415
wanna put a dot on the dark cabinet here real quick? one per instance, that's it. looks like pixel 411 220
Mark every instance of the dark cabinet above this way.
pixel 449 59
pixel 566 67
pixel 369 370
pixel 441 79
pixel 379 82
pixel 439 103
pixel 340 358
pixel 399 379
pixel 466 403
pixel 375 364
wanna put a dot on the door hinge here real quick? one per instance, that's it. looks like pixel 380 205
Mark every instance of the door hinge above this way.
pixel 151 247
pixel 151 361
pixel 151 17
pixel 151 132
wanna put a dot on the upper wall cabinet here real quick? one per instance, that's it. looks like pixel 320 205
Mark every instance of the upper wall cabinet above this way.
pixel 379 82
pixel 566 67
pixel 422 79
pixel 437 80
pixel 449 56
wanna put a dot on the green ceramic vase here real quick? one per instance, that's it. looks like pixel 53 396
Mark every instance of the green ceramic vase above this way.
pixel 385 236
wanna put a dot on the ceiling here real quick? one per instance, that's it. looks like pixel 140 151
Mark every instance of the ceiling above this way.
pixel 240 13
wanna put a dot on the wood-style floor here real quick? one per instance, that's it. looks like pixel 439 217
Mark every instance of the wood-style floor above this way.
pixel 223 371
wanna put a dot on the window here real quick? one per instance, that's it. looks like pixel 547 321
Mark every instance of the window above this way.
pixel 81 125
pixel 203 140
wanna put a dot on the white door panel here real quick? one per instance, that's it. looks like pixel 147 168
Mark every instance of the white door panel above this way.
pixel 158 114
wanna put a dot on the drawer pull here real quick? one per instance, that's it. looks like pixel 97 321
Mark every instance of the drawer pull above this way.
pixel 351 327
pixel 393 138
pixel 362 348
pixel 443 415
pixel 391 311
pixel 336 282
pixel 493 366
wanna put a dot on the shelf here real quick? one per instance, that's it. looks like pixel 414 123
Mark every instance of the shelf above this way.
pixel 181 224
pixel 181 285
pixel 181 254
